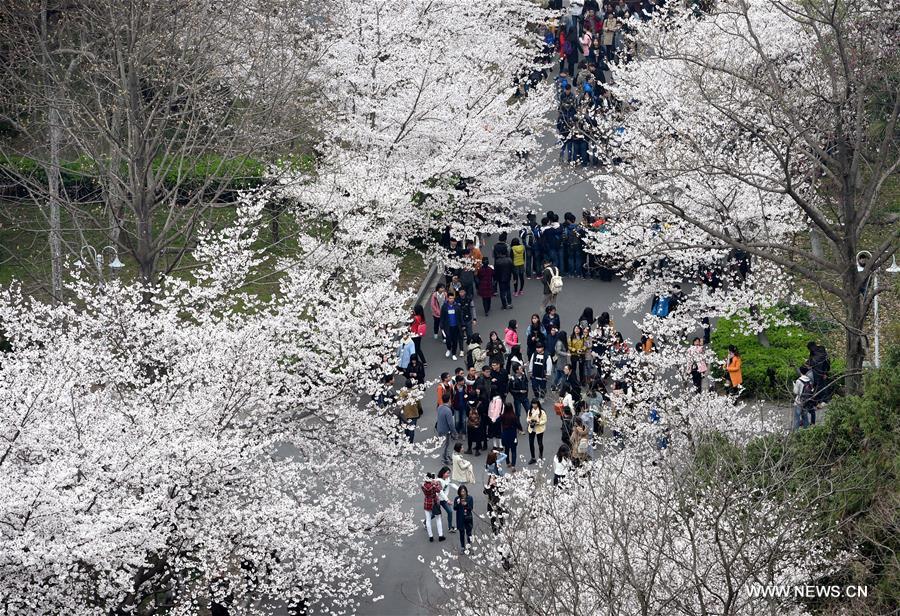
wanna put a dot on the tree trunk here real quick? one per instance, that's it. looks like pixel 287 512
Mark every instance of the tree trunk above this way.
pixel 53 187
pixel 856 344
pixel 815 242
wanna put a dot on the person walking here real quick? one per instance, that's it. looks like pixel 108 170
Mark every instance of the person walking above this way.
pixel 518 387
pixel 697 367
pixel 467 311
pixel 579 442
pixel 533 334
pixel 475 355
pixel 804 397
pixel 438 297
pixel 460 405
pixel 561 358
pixel 539 366
pixel 451 324
pixel 511 335
pixel 496 350
pixel 733 370
pixel 464 506
pixel 537 424
pixel 406 350
pixel 485 285
pixel 443 478
pixel 518 261
pixel 432 491
pixel 503 270
pixel 462 472
pixel 444 426
pixel 411 410
pixel 561 465
pixel 510 426
pixel 418 329
pixel 577 349
pixel 475 429
pixel 552 283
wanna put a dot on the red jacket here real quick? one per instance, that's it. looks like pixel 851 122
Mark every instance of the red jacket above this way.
pixel 431 489
pixel 486 281
pixel 418 327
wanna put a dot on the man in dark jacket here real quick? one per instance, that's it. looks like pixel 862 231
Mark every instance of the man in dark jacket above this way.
pixel 451 325
pixel 503 269
pixel 500 379
pixel 467 310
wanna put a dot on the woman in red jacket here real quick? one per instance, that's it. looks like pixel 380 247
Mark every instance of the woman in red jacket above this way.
pixel 486 284
pixel 418 329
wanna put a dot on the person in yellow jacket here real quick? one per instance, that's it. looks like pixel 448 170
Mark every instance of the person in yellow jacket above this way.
pixel 733 370
pixel 462 469
pixel 518 260
pixel 537 423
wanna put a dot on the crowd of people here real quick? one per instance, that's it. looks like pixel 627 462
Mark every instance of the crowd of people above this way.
pixel 509 383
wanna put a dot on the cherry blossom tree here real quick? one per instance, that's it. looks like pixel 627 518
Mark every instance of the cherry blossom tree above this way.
pixel 758 132
pixel 208 446
pixel 425 125
pixel 644 532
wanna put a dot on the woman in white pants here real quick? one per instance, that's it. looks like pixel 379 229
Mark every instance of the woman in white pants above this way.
pixel 432 491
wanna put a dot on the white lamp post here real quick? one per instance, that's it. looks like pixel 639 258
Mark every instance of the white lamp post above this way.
pixel 97 258
pixel 862 258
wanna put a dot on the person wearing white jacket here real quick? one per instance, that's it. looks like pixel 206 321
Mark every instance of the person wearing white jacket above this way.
pixel 561 465
pixel 444 479
pixel 462 468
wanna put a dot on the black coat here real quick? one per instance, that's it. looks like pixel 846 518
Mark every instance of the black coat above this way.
pixel 503 268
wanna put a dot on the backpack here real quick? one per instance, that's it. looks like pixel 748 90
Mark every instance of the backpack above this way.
pixel 495 408
pixel 582 446
pixel 573 236
pixel 556 281
pixel 660 307
pixel 527 237
pixel 807 393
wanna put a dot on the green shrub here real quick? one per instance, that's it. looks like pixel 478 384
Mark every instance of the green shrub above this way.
pixel 786 353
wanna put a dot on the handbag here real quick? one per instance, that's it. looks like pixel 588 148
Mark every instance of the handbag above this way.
pixel 558 408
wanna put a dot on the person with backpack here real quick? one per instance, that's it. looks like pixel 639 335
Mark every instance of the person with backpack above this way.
pixel 503 270
pixel 518 261
pixel 552 236
pixel 804 398
pixel 533 265
pixel 528 240
pixel 474 429
pixel 475 355
pixel 518 387
pixel 540 365
pixel 553 283
pixel 485 279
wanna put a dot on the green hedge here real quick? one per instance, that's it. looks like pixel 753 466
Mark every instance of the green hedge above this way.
pixel 188 174
pixel 786 353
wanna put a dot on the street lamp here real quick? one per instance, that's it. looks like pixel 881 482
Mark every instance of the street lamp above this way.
pixel 862 259
pixel 97 259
